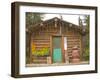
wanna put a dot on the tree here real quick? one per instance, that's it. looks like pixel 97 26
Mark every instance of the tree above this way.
pixel 33 18
pixel 84 23
pixel 87 38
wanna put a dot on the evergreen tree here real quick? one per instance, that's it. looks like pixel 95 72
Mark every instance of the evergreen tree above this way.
pixel 33 18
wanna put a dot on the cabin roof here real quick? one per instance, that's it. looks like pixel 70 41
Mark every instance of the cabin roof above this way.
pixel 59 21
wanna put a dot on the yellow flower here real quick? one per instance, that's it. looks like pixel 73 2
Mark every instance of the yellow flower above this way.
pixel 33 49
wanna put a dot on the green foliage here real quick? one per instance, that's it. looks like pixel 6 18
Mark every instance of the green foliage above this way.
pixel 87 51
pixel 42 52
pixel 86 56
pixel 33 18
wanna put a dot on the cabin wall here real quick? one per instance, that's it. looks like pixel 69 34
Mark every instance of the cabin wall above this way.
pixel 41 38
pixel 73 39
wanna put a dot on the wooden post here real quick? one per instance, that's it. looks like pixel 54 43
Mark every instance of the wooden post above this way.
pixel 66 56
pixel 51 54
pixel 63 53
pixel 49 61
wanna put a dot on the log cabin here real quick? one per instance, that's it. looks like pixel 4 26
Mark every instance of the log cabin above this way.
pixel 58 36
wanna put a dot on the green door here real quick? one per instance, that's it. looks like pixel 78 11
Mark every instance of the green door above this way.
pixel 57 52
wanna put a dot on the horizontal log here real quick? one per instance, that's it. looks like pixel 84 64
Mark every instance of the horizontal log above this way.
pixel 40 43
pixel 38 62
pixel 39 57
pixel 41 46
pixel 41 40
pixel 49 31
